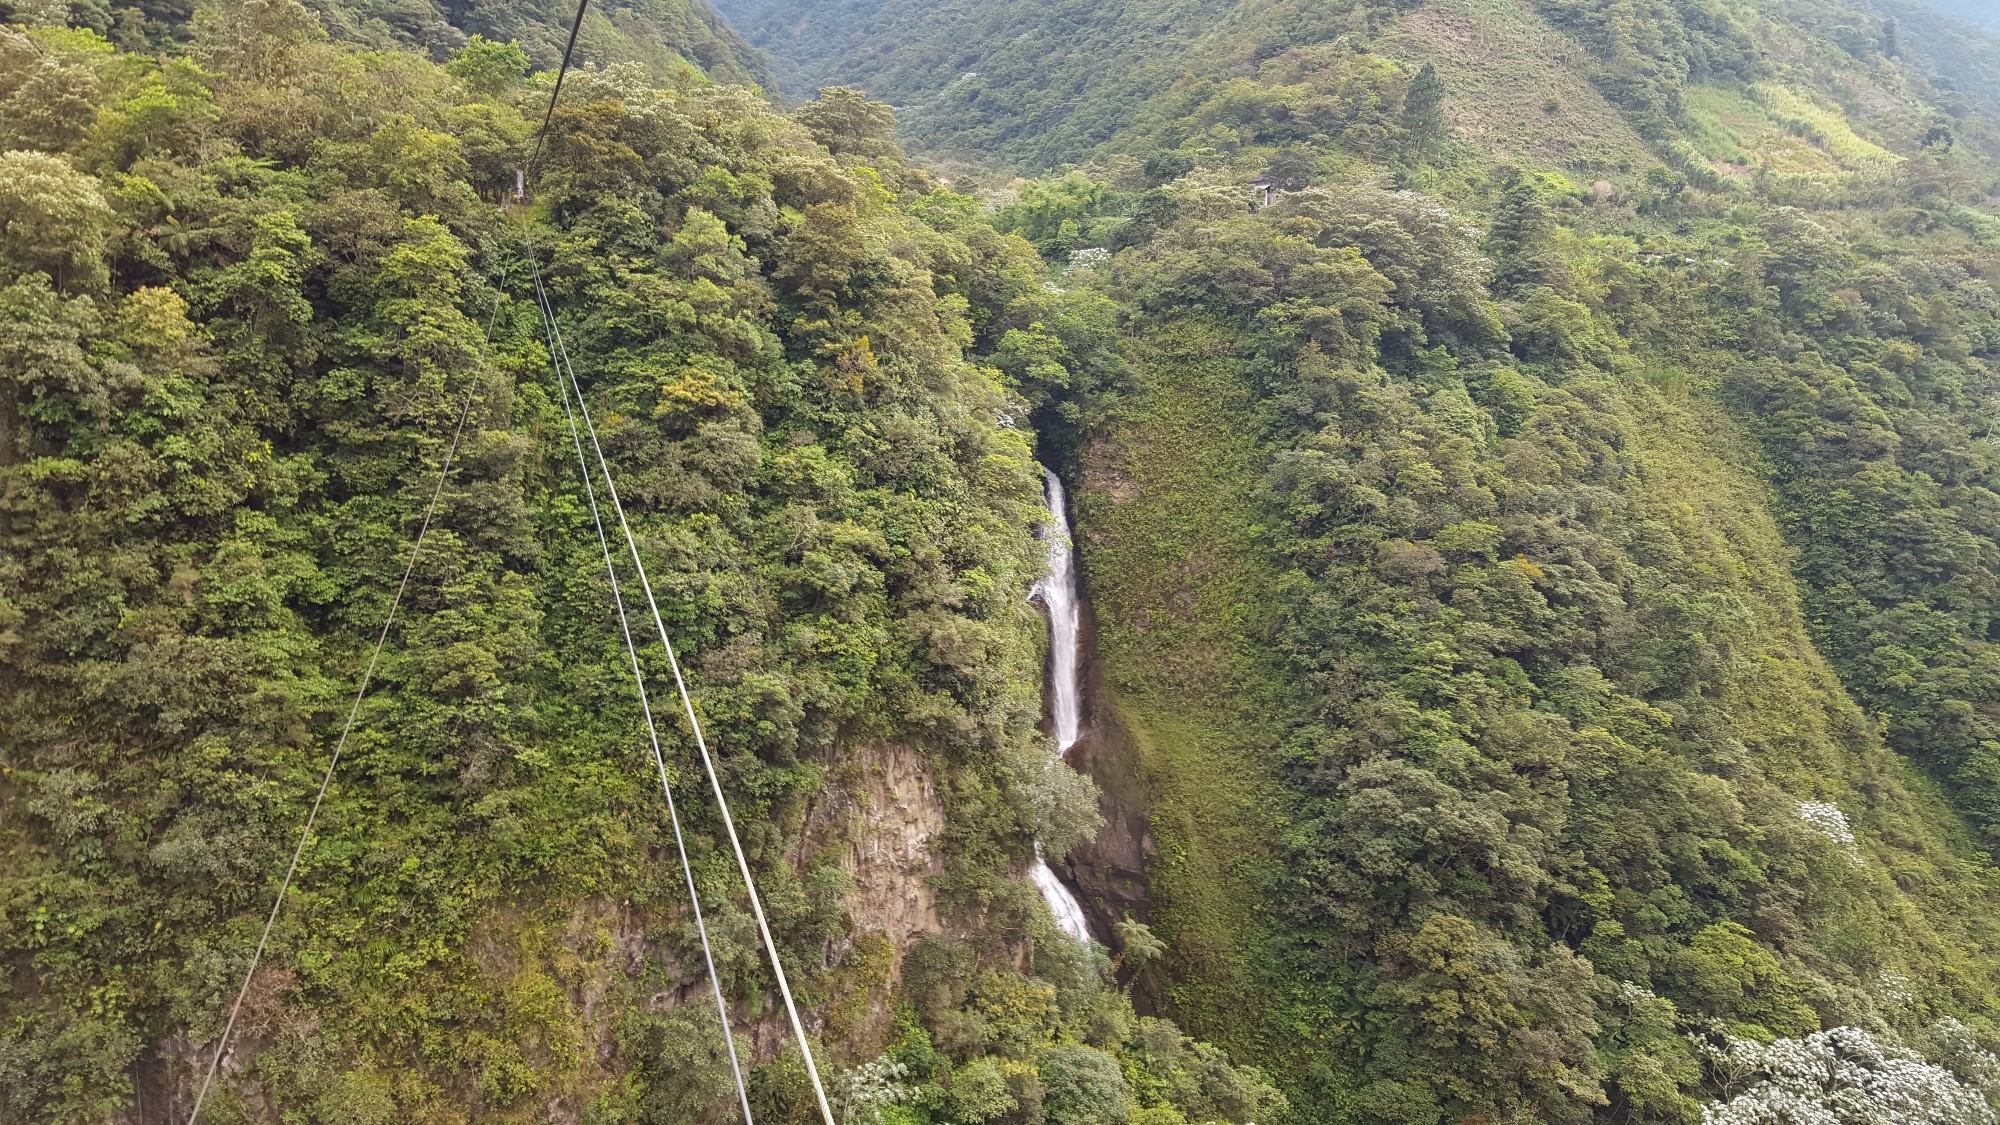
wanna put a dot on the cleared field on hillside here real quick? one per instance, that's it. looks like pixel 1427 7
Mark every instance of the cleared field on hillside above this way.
pixel 1515 85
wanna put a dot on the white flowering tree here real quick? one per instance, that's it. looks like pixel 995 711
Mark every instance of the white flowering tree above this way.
pixel 1826 818
pixel 1841 1076
pixel 862 1095
pixel 1088 258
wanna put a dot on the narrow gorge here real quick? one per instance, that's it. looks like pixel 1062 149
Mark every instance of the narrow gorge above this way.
pixel 1306 562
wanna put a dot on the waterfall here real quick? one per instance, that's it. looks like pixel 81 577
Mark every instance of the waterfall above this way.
pixel 1062 904
pixel 1056 590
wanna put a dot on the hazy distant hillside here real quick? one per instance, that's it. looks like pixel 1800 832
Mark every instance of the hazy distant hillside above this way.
pixel 651 32
pixel 1032 80
pixel 620 30
pixel 1984 12
pixel 1956 55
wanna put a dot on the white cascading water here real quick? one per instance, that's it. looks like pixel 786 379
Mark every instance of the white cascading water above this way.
pixel 1062 904
pixel 1056 590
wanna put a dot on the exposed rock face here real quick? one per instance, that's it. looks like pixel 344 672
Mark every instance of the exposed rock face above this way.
pixel 880 812
pixel 1108 874
pixel 885 805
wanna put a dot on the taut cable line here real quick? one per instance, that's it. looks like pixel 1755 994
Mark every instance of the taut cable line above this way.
pixel 542 134
pixel 566 372
pixel 557 357
pixel 353 711
pixel 700 740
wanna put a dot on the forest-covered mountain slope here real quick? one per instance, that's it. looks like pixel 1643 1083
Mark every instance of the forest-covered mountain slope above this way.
pixel 1955 50
pixel 1536 485
pixel 246 288
pixel 664 36
pixel 1032 85
pixel 1021 81
pixel 1536 480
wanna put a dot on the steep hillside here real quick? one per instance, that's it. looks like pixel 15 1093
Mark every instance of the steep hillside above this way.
pixel 1033 82
pixel 661 35
pixel 1957 50
pixel 1971 11
pixel 664 36
pixel 1031 86
pixel 1446 758
pixel 1540 535
pixel 250 297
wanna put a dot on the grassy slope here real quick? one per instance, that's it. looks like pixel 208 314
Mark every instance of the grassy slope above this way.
pixel 1517 87
pixel 1173 561
pixel 1178 565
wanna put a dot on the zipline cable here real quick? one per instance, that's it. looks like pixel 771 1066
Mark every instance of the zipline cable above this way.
pixel 347 728
pixel 542 134
pixel 700 741
pixel 638 678
pixel 673 660
pixel 553 332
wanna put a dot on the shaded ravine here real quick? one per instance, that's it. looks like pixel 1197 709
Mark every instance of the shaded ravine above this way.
pixel 1056 590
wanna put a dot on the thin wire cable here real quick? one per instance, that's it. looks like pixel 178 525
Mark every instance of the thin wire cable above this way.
pixel 347 728
pixel 673 660
pixel 542 134
pixel 700 741
pixel 639 681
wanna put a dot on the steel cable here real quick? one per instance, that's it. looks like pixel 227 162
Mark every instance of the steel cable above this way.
pixel 558 357
pixel 701 744
pixel 565 368
pixel 347 728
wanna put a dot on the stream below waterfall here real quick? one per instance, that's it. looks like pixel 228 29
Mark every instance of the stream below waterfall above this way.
pixel 1056 590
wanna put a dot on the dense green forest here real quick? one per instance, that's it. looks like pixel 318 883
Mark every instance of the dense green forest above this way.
pixel 666 37
pixel 246 291
pixel 1537 481
pixel 1543 558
